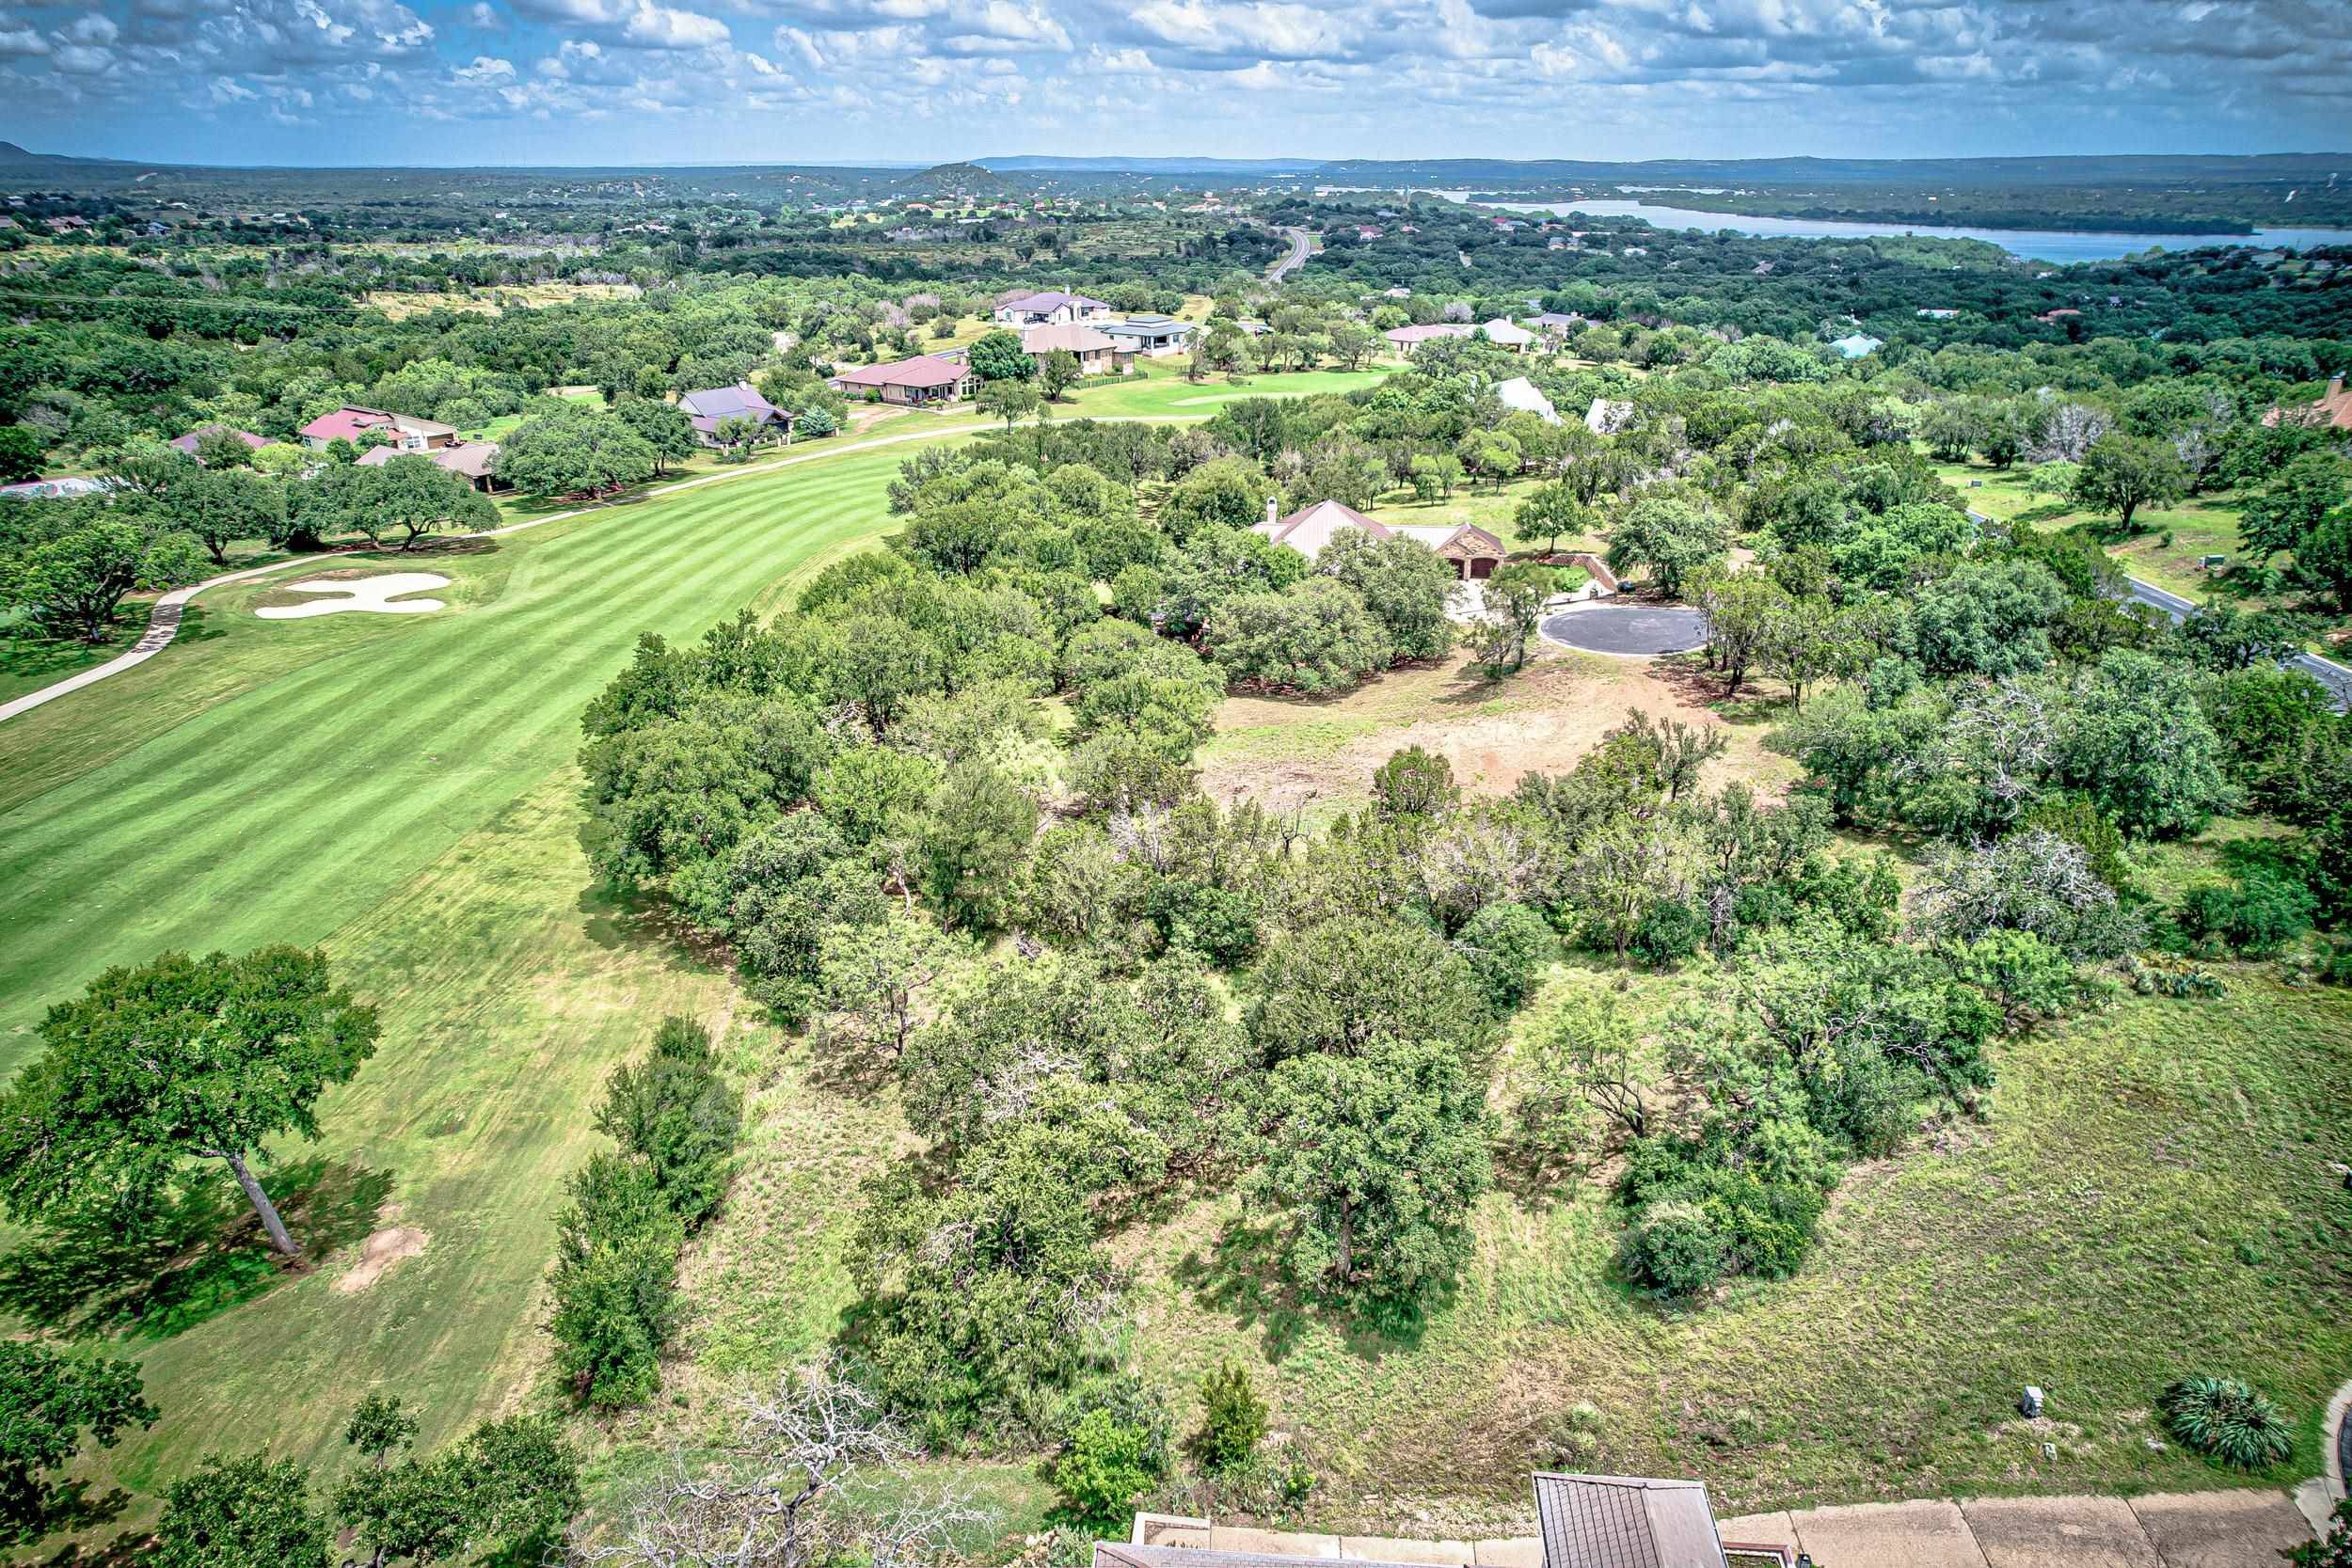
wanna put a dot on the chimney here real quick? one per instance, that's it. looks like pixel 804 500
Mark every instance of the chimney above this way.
pixel 1274 515
pixel 2335 386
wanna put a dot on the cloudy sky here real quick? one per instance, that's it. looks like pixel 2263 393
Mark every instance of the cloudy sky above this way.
pixel 719 81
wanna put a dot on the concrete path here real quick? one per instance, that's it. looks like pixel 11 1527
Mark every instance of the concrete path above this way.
pixel 2186 1529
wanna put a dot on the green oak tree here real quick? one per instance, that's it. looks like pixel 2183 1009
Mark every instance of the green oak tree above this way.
pixel 180 1058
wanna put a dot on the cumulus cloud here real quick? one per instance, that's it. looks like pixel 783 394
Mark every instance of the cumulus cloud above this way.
pixel 1571 78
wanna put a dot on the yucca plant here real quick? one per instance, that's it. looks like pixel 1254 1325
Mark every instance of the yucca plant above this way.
pixel 2223 1417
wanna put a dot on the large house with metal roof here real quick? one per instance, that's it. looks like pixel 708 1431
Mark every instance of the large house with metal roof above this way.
pixel 1152 337
pixel 706 410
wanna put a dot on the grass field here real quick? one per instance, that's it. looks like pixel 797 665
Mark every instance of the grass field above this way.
pixel 402 790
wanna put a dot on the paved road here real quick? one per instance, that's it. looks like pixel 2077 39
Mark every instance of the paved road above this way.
pixel 1629 631
pixel 2327 672
pixel 1291 262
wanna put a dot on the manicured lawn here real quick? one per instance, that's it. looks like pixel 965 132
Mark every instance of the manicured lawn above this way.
pixel 401 789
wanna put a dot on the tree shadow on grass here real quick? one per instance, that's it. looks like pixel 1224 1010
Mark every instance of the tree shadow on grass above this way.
pixel 203 1253
pixel 127 1550
pixel 68 1506
pixel 1246 1275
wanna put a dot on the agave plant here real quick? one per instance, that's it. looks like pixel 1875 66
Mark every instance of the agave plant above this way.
pixel 2225 1418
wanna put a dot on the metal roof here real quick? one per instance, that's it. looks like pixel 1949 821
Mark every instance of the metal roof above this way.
pixel 1626 1522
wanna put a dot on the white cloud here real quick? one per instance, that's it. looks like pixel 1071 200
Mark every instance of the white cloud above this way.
pixel 22 42
pixel 657 26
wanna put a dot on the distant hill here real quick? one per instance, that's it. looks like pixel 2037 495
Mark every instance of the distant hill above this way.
pixel 955 180
pixel 13 156
pixel 1039 163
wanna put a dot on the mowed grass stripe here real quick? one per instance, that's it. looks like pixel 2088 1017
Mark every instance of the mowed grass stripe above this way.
pixel 286 811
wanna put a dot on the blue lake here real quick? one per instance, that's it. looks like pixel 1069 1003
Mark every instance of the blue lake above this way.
pixel 2046 244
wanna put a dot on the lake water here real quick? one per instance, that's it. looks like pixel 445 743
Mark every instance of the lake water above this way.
pixel 2046 244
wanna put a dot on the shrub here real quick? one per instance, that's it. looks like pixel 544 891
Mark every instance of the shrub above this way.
pixel 678 1112
pixel 2223 1419
pixel 1506 946
pixel 2261 913
pixel 1106 1469
pixel 615 1281
pixel 1670 929
pixel 1219 923
pixel 1232 1418
pixel 1676 1248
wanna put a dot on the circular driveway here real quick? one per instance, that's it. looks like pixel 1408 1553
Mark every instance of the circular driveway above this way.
pixel 1632 631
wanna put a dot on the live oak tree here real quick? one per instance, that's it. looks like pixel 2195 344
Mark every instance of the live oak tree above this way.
pixel 1057 374
pixel 220 505
pixel 416 496
pixel 664 428
pixel 1672 536
pixel 241 1512
pixel 47 1399
pixel 579 449
pixel 1549 511
pixel 180 1058
pixel 72 582
pixel 508 1489
pixel 1008 400
pixel 676 1112
pixel 2123 473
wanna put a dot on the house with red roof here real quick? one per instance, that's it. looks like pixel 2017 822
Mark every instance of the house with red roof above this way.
pixel 927 380
pixel 351 422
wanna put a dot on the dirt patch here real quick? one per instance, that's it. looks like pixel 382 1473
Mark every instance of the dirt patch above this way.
pixel 1290 753
pixel 380 1252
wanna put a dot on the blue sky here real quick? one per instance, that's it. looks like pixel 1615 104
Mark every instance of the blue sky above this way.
pixel 720 81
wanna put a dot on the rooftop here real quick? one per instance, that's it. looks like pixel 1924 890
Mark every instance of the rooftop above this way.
pixel 924 370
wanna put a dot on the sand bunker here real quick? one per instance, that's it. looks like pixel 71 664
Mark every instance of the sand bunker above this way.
pixel 373 594
pixel 378 1253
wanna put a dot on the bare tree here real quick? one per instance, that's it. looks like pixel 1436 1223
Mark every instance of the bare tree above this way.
pixel 774 1498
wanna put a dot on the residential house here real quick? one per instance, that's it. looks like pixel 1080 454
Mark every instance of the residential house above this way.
pixel 1505 333
pixel 351 422
pixel 188 443
pixel 706 410
pixel 1153 336
pixel 1937 313
pixel 1098 353
pixel 1556 325
pixel 2333 409
pixel 1520 395
pixel 1406 339
pixel 475 460
pixel 1471 551
pixel 925 381
pixel 1856 345
pixel 1054 306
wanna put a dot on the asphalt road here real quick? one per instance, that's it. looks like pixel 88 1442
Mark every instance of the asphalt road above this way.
pixel 1290 263
pixel 2327 672
pixel 1631 631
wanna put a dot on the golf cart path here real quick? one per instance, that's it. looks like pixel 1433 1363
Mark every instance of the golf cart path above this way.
pixel 163 620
